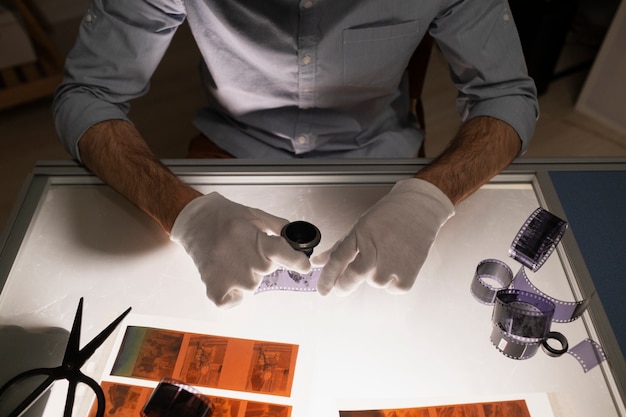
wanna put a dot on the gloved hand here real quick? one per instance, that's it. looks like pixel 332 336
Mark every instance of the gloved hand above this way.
pixel 389 243
pixel 233 246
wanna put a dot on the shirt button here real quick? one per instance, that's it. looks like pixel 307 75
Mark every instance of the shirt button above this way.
pixel 306 60
pixel 301 139
pixel 88 18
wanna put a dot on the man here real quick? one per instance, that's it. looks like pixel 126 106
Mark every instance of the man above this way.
pixel 300 78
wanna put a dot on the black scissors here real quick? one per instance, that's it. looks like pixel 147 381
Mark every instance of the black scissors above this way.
pixel 73 360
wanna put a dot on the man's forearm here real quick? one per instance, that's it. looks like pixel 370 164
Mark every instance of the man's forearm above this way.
pixel 115 151
pixel 483 147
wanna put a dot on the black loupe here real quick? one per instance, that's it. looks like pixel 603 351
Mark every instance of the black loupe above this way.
pixel 302 236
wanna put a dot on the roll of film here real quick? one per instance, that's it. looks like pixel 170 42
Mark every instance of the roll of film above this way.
pixel 522 313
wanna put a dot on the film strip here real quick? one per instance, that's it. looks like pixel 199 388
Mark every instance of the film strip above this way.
pixel 285 280
pixel 522 316
pixel 537 239
pixel 521 323
pixel 522 313
pixel 490 270
pixel 565 311
pixel 303 237
pixel 175 398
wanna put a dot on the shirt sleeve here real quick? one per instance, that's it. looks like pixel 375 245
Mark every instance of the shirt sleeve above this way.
pixel 119 45
pixel 480 41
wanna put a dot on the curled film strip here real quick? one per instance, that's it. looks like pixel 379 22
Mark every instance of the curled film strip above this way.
pixel 537 239
pixel 490 270
pixel 521 323
pixel 565 311
pixel 522 313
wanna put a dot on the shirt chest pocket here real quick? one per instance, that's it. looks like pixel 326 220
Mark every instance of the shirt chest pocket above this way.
pixel 377 56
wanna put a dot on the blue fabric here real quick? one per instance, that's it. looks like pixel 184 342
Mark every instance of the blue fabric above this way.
pixel 306 78
pixel 595 205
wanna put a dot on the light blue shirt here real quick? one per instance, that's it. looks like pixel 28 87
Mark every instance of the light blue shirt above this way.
pixel 299 78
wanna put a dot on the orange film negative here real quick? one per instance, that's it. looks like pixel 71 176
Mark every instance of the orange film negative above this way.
pixel 172 398
pixel 207 361
pixel 124 400
pixel 514 408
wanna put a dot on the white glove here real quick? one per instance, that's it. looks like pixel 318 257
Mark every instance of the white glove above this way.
pixel 233 246
pixel 389 243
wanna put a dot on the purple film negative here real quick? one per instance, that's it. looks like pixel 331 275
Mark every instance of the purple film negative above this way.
pixel 523 315
pixel 537 239
pixel 521 312
pixel 285 280
pixel 512 347
pixel 566 311
pixel 494 270
pixel 588 353
pixel 521 323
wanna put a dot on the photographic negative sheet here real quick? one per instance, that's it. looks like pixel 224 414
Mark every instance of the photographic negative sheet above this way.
pixel 207 360
pixel 127 401
pixel 514 408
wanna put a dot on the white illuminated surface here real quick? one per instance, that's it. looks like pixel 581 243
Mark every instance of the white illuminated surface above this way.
pixel 369 349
